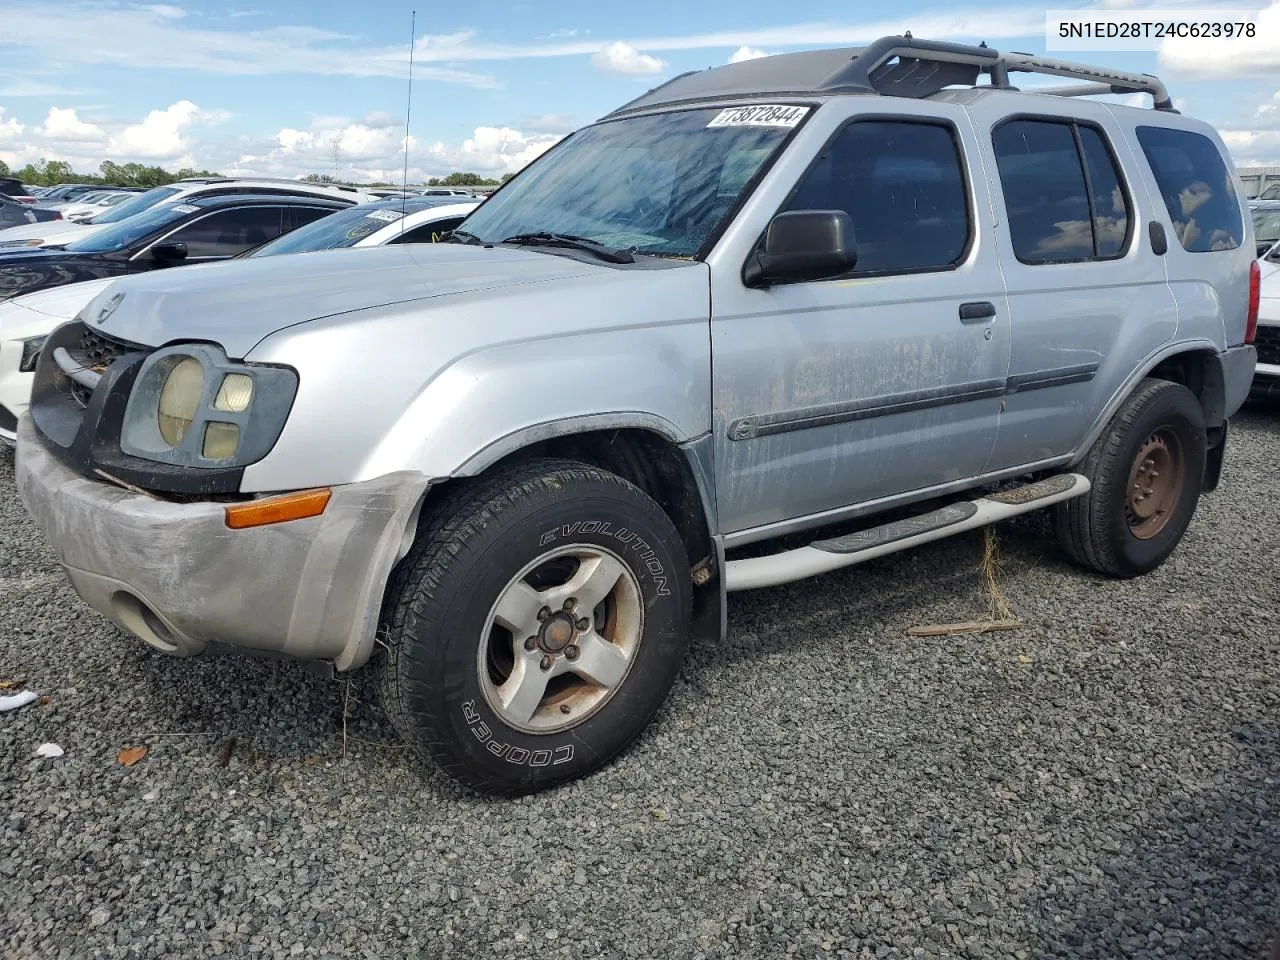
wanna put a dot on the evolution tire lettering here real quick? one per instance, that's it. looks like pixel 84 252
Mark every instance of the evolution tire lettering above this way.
pixel 517 755
pixel 644 553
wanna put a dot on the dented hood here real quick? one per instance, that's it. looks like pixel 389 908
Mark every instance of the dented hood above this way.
pixel 238 303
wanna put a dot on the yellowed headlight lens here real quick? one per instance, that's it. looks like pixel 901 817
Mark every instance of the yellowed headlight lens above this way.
pixel 235 393
pixel 220 440
pixel 180 399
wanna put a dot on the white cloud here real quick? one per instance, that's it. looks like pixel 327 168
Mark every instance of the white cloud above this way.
pixel 10 130
pixel 492 151
pixel 745 53
pixel 162 37
pixel 370 153
pixel 1253 148
pixel 61 123
pixel 1234 57
pixel 619 57
pixel 162 133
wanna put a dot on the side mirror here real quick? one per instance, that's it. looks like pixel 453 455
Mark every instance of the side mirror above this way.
pixel 803 245
pixel 169 251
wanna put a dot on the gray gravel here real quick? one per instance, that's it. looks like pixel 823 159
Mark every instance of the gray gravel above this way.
pixel 1102 784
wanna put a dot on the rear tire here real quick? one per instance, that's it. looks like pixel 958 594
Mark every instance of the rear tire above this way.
pixel 1146 472
pixel 536 626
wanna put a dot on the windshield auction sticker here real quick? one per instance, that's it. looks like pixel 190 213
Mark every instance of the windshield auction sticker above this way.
pixel 759 115
pixel 386 216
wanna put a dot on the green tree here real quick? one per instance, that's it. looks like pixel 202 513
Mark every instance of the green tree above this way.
pixel 506 177
pixel 4 169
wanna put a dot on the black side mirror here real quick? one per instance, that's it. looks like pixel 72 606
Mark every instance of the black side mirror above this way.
pixel 169 251
pixel 803 245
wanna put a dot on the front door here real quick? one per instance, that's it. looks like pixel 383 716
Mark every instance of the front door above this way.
pixel 834 393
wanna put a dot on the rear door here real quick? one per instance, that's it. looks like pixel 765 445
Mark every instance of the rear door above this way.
pixel 1088 295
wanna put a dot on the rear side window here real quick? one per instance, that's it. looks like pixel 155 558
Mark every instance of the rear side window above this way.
pixel 1198 190
pixel 902 184
pixel 1063 192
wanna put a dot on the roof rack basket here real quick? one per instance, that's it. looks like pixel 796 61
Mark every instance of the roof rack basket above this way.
pixel 906 67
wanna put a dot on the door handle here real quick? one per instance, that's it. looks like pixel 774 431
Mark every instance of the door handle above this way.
pixel 977 312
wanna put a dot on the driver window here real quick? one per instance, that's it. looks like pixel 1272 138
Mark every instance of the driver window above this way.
pixel 902 184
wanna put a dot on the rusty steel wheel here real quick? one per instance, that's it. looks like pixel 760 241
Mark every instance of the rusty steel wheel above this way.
pixel 1145 474
pixel 1155 483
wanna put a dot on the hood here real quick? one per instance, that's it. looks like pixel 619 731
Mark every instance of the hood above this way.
pixel 38 313
pixel 51 231
pixel 238 302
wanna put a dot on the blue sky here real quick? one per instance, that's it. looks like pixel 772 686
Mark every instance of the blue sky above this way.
pixel 270 87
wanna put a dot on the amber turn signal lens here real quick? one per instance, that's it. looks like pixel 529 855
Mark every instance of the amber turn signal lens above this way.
pixel 290 506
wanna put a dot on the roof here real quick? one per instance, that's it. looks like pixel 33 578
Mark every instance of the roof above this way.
pixel 890 66
pixel 227 199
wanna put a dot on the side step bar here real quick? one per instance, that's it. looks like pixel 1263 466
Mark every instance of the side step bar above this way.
pixel 823 556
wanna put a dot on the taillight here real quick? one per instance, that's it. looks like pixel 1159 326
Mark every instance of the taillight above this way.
pixel 57 215
pixel 1255 292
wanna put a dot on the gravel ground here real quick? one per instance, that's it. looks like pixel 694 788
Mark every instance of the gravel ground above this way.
pixel 1101 784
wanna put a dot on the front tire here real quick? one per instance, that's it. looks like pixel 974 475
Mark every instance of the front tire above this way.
pixel 536 626
pixel 1146 472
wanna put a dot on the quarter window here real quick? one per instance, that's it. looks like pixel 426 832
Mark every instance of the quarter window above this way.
pixel 1198 190
pixel 903 187
pixel 1063 192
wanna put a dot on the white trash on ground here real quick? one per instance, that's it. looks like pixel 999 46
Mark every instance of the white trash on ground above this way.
pixel 15 700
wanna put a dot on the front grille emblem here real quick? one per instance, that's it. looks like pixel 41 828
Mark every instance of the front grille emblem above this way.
pixel 108 308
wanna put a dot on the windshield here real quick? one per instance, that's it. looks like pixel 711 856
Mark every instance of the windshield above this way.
pixel 1271 193
pixel 136 204
pixel 135 228
pixel 342 229
pixel 657 184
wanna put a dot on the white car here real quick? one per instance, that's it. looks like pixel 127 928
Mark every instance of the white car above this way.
pixel 27 320
pixel 88 209
pixel 65 231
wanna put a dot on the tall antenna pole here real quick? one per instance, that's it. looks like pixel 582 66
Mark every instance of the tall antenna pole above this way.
pixel 408 111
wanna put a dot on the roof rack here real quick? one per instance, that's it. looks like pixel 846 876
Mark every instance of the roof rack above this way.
pixel 907 67
pixel 891 66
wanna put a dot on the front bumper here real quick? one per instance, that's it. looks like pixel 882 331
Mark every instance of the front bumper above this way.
pixel 174 575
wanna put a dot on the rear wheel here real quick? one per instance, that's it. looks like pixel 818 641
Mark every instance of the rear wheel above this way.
pixel 1146 472
pixel 536 626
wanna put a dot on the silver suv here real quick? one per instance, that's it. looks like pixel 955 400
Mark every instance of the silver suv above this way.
pixel 813 305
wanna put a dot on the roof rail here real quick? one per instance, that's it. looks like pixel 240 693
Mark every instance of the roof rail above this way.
pixel 906 67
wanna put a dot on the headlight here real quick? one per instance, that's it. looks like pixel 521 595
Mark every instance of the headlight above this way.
pixel 191 406
pixel 31 353
pixel 179 400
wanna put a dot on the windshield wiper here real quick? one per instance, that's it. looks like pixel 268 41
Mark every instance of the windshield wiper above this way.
pixel 544 239
pixel 461 236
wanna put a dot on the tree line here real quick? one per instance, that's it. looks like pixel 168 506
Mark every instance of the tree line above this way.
pixel 49 173
pixel 452 180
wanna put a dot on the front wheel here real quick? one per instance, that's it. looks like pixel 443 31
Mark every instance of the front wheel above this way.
pixel 536 626
pixel 1146 472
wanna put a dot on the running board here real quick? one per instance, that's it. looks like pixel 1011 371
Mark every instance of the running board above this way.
pixel 823 556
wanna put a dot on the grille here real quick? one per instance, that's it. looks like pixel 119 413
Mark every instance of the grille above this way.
pixel 96 351
pixel 1268 343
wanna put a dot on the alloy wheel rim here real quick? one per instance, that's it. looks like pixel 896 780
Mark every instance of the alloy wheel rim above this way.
pixel 561 638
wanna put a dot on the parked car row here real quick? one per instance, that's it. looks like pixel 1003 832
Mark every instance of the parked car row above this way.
pixel 220 227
